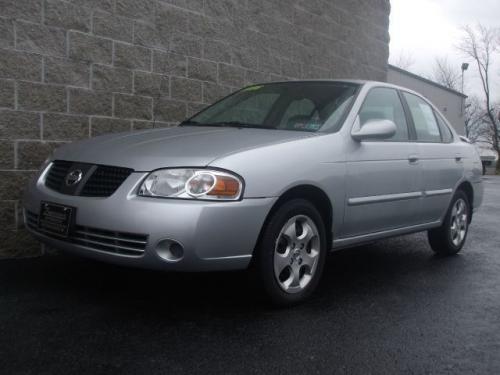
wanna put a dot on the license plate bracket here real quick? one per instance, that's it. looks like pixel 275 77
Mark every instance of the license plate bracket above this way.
pixel 56 219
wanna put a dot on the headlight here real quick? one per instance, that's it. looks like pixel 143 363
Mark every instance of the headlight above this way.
pixel 192 184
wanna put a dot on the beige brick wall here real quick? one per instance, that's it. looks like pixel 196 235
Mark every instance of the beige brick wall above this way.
pixel 79 68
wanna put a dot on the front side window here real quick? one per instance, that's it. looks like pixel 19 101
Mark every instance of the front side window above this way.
pixel 425 122
pixel 300 106
pixel 384 104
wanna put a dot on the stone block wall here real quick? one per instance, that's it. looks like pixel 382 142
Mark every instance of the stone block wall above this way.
pixel 72 69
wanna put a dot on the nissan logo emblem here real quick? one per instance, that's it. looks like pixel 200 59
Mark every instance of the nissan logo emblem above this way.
pixel 73 177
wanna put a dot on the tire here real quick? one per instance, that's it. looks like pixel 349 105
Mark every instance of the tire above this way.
pixel 450 237
pixel 291 252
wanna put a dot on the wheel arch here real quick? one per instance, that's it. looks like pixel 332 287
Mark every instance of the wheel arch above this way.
pixel 313 194
pixel 467 188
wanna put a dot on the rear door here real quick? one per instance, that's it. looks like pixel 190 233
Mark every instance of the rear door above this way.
pixel 440 157
pixel 382 176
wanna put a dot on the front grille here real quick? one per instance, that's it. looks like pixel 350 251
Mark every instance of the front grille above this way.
pixel 104 181
pixel 108 241
pixel 97 181
pixel 57 173
pixel 31 219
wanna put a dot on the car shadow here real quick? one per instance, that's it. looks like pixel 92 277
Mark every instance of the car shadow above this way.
pixel 385 267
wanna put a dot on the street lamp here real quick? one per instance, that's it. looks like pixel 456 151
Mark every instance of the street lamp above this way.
pixel 465 66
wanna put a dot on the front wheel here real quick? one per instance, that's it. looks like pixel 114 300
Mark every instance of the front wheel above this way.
pixel 290 256
pixel 450 237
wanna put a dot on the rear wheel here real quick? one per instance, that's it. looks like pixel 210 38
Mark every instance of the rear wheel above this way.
pixel 450 237
pixel 290 256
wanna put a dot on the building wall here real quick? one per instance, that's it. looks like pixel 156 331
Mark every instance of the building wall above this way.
pixel 79 68
pixel 447 101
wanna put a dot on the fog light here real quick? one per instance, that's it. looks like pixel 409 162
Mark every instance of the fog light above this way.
pixel 170 250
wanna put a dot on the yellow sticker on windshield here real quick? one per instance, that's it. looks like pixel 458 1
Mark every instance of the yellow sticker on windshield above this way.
pixel 253 88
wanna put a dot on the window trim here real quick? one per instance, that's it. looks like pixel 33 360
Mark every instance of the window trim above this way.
pixel 407 106
pixel 409 139
pixel 412 131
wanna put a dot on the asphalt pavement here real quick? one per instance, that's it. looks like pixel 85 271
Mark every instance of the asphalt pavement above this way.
pixel 387 308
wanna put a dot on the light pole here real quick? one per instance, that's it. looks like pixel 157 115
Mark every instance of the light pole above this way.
pixel 465 66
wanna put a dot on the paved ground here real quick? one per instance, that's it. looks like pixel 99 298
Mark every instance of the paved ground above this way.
pixel 383 309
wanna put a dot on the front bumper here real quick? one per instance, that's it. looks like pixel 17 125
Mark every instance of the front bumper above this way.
pixel 213 235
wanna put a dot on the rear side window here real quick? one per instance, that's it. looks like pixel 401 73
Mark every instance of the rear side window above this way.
pixel 445 130
pixel 384 104
pixel 425 122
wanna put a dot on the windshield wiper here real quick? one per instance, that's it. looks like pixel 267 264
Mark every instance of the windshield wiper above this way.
pixel 236 124
pixel 189 122
pixel 229 124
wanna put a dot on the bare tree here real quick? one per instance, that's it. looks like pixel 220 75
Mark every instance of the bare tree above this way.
pixel 474 117
pixel 445 74
pixel 404 60
pixel 477 126
pixel 480 43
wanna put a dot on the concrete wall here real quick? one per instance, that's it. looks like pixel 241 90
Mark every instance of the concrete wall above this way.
pixel 449 102
pixel 78 68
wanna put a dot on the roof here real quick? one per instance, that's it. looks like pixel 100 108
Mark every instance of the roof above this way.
pixel 360 82
pixel 430 82
pixel 332 80
pixel 351 81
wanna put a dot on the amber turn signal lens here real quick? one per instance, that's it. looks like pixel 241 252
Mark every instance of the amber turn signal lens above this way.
pixel 225 186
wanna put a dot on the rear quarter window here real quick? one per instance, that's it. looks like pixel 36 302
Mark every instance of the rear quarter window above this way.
pixel 446 133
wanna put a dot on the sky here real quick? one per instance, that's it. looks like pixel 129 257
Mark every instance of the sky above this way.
pixel 423 30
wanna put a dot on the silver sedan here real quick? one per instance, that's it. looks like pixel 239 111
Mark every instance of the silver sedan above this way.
pixel 271 178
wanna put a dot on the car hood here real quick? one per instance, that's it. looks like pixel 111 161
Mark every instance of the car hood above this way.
pixel 187 146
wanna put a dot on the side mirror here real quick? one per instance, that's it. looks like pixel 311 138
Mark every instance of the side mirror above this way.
pixel 375 129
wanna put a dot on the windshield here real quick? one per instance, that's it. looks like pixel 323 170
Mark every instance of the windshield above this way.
pixel 301 106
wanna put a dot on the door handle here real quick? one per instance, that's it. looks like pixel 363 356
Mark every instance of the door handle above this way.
pixel 458 158
pixel 413 159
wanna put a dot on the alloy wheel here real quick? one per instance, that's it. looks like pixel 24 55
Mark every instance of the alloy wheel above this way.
pixel 296 253
pixel 459 222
